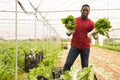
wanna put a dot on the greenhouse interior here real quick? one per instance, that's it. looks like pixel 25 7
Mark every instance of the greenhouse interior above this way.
pixel 34 43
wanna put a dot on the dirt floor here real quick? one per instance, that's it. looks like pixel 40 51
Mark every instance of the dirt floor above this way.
pixel 106 63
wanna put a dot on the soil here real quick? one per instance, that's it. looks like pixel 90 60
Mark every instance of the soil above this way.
pixel 106 63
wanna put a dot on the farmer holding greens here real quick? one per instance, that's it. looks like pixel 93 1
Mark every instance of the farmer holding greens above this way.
pixel 80 43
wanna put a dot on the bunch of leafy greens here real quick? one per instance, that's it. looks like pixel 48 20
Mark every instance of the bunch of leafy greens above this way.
pixel 69 22
pixel 86 74
pixel 83 74
pixel 102 26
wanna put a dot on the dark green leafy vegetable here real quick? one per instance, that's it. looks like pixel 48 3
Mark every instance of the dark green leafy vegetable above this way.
pixel 102 26
pixel 69 22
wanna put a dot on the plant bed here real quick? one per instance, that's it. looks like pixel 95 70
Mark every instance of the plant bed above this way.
pixel 32 60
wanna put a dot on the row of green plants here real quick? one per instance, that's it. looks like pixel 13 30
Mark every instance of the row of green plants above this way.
pixel 45 66
pixel 115 46
pixel 82 74
pixel 7 59
pixel 51 52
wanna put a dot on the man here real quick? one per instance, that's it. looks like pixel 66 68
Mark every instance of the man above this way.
pixel 80 43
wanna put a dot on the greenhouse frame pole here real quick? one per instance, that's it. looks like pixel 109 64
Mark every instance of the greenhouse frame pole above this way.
pixel 35 28
pixel 16 42
pixel 43 36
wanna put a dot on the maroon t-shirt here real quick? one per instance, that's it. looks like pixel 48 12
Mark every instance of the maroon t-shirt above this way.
pixel 80 38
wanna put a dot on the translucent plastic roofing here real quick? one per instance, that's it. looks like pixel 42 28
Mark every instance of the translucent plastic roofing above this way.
pixel 51 12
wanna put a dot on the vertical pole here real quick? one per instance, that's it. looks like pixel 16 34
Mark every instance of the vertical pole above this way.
pixel 43 35
pixel 35 27
pixel 16 42
pixel 50 39
pixel 108 16
pixel 47 38
pixel 107 8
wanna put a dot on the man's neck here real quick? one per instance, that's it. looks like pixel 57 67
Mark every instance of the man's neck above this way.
pixel 84 18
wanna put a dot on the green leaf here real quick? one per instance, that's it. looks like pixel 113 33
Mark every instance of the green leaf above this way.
pixel 64 20
pixel 69 22
pixel 67 76
pixel 102 26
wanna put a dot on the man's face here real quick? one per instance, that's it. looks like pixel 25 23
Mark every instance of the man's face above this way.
pixel 85 11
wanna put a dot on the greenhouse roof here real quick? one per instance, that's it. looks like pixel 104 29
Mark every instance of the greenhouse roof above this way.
pixel 48 14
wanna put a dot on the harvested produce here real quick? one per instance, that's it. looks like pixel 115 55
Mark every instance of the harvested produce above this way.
pixel 102 26
pixel 69 22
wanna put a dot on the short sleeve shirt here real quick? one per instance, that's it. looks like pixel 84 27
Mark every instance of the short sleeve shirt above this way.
pixel 80 38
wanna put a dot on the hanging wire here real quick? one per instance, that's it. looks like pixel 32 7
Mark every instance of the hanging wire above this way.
pixel 23 8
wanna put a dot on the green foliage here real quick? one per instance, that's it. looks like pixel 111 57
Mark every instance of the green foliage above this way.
pixel 83 74
pixel 102 26
pixel 7 59
pixel 114 46
pixel 45 67
pixel 66 76
pixel 69 22
pixel 86 74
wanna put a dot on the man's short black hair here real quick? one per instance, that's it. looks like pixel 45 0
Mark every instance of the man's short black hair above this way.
pixel 85 5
